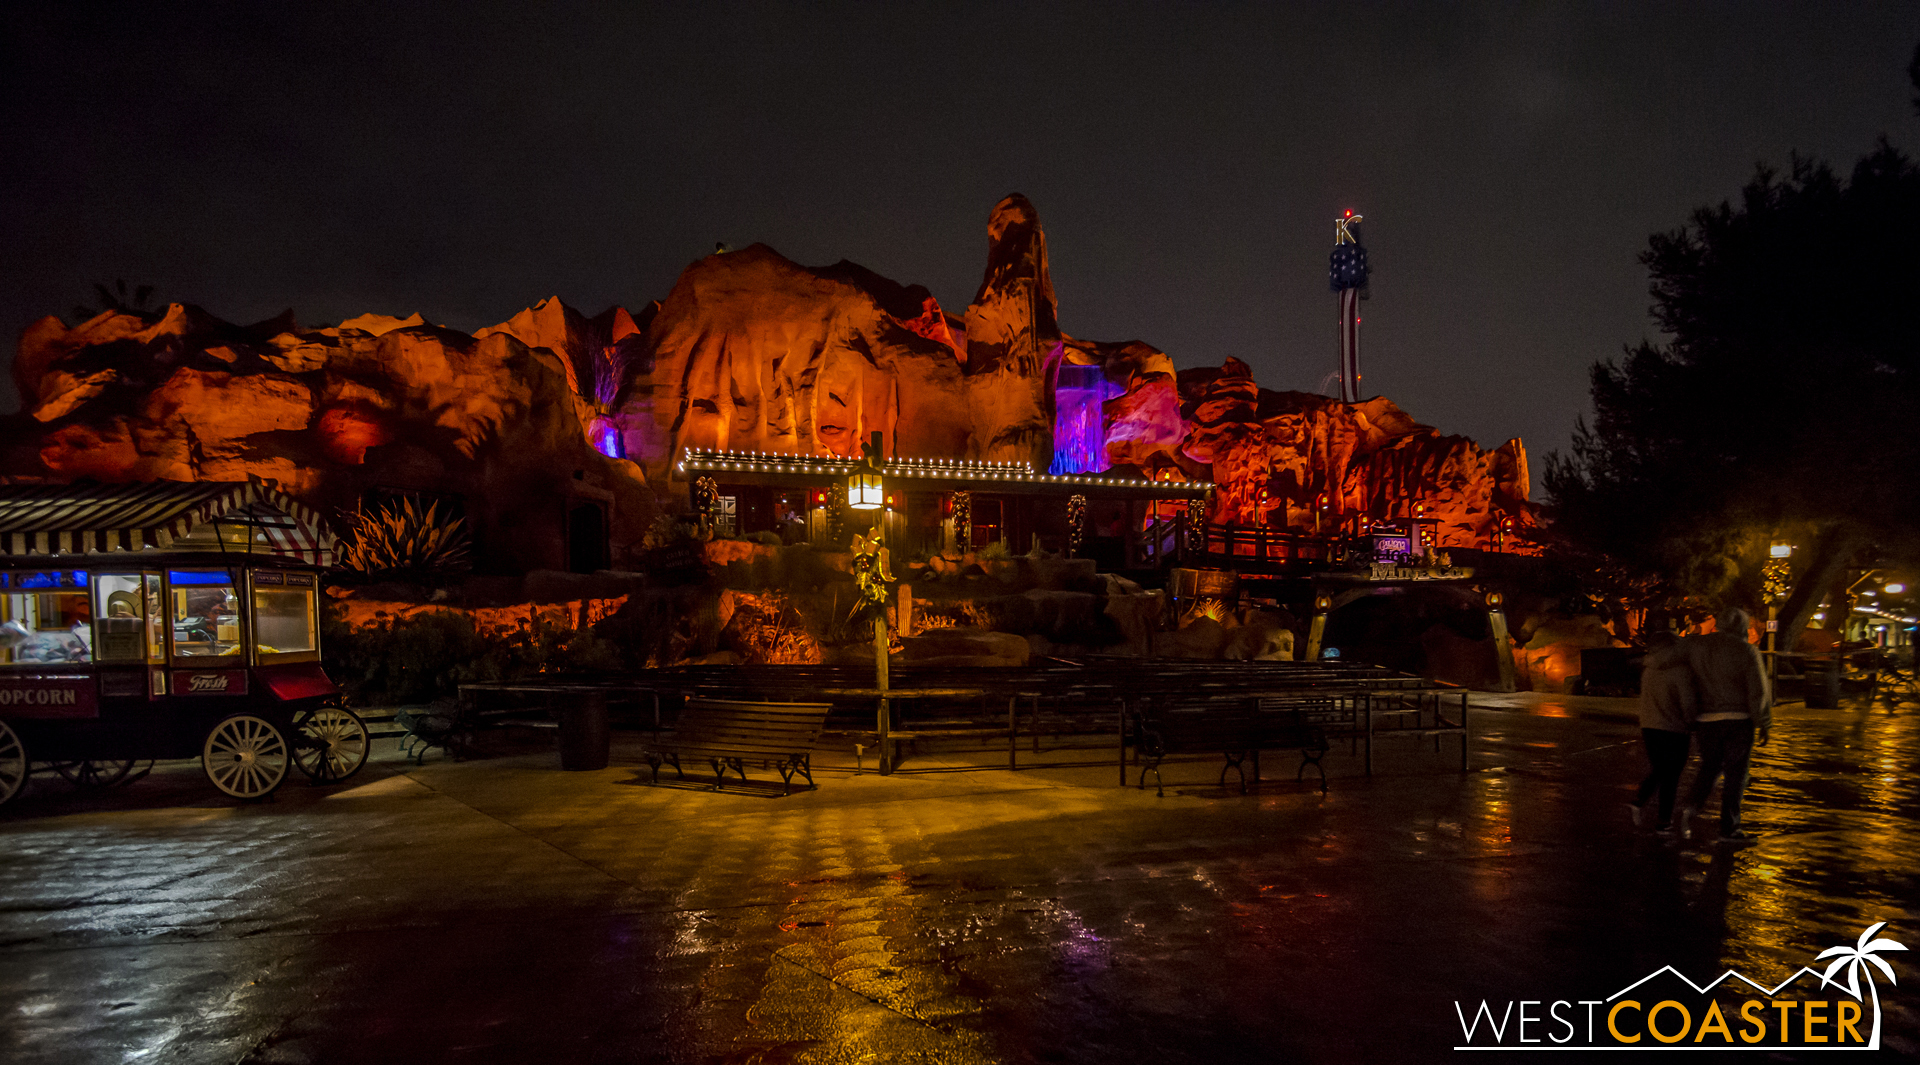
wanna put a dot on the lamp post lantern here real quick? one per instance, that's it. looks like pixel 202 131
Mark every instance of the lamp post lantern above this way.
pixel 866 490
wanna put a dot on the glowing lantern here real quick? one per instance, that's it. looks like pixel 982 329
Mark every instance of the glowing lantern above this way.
pixel 1780 550
pixel 864 491
pixel 864 488
pixel 1896 588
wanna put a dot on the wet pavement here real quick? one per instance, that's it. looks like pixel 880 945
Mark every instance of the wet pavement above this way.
pixel 502 910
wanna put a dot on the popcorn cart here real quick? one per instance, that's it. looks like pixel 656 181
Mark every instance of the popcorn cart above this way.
pixel 166 620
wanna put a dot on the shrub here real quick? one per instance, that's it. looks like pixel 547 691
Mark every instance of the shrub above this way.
pixel 405 539
pixel 426 656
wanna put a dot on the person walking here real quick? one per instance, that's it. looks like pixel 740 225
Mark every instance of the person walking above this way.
pixel 1669 700
pixel 1736 712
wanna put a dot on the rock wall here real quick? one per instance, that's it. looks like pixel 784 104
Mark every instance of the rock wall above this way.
pixel 748 351
pixel 1274 454
pixel 326 414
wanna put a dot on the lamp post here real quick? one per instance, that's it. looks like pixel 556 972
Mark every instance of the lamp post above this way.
pixel 1776 580
pixel 866 490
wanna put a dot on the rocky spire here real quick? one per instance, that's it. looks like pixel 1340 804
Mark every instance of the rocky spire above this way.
pixel 1013 338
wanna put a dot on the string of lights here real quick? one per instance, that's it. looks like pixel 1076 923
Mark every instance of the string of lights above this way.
pixel 709 460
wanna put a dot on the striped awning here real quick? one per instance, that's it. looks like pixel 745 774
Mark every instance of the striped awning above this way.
pixel 244 517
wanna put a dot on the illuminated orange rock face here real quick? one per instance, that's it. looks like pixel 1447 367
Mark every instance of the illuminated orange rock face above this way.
pixel 1012 335
pixel 327 414
pixel 1274 454
pixel 749 351
pixel 753 352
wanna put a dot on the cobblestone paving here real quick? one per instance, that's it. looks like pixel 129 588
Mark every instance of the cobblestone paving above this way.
pixel 501 910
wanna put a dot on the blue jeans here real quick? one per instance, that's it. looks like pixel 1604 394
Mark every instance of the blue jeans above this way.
pixel 1726 748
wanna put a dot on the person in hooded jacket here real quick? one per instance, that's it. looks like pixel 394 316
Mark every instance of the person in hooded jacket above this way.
pixel 1668 702
pixel 1736 714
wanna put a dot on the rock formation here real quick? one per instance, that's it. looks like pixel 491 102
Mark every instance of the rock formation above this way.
pixel 748 351
pixel 327 414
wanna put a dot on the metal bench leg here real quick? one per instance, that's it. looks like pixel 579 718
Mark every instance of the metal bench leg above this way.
pixel 1013 730
pixel 1159 786
pixel 1312 758
pixel 1233 763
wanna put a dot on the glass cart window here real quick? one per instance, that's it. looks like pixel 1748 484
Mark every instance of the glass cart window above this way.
pixel 45 618
pixel 121 617
pixel 204 612
pixel 283 616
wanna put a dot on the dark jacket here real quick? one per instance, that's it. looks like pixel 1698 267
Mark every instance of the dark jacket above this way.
pixel 1669 699
pixel 1731 678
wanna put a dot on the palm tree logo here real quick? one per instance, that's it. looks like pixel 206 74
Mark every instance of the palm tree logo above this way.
pixel 1856 958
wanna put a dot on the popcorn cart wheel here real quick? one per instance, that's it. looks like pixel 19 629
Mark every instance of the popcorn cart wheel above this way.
pixel 246 756
pixel 333 743
pixel 13 763
pixel 92 774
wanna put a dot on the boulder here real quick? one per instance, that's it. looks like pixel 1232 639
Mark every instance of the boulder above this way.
pixel 964 647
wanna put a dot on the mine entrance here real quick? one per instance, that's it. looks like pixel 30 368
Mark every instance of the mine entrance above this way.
pixel 587 538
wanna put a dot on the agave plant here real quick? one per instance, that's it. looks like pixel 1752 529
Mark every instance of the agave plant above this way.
pixel 404 537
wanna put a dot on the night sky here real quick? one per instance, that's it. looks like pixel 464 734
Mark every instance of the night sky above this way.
pixel 1187 161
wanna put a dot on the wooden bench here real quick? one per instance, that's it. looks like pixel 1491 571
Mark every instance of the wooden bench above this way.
pixel 727 734
pixel 1237 731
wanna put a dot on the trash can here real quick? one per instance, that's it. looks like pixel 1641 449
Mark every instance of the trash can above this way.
pixel 584 738
pixel 1823 683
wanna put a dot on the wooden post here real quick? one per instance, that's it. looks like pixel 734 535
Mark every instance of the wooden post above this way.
pixel 884 724
pixel 1318 630
pixel 1502 648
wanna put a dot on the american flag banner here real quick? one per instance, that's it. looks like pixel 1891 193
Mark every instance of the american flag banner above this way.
pixel 1347 275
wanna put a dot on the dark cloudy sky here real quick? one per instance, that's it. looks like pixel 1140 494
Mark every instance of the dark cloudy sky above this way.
pixel 1187 160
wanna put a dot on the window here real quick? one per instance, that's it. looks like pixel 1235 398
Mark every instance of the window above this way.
pixel 726 515
pixel 45 618
pixel 283 615
pixel 127 617
pixel 204 612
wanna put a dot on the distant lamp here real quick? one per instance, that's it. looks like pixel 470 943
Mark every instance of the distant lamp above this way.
pixel 1780 550
pixel 864 489
pixel 1896 588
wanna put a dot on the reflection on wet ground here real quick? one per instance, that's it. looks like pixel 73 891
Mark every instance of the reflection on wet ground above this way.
pixel 501 910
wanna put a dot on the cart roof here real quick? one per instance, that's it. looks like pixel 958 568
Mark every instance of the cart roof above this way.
pixel 220 517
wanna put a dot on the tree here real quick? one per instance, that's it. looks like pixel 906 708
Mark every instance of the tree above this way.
pixel 1784 401
pixel 116 299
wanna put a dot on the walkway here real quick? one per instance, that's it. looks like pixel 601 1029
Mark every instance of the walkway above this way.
pixel 501 910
